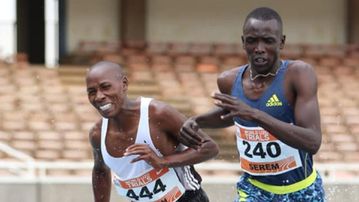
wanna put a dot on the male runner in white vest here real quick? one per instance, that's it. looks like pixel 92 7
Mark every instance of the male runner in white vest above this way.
pixel 138 142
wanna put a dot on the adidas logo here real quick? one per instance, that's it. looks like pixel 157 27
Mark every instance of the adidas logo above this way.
pixel 274 101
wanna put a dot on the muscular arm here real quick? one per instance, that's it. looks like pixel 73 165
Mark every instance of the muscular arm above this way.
pixel 212 119
pixel 101 174
pixel 306 134
pixel 167 121
pixel 207 150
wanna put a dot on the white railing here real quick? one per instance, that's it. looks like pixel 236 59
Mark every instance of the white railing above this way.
pixel 25 162
pixel 25 169
pixel 15 153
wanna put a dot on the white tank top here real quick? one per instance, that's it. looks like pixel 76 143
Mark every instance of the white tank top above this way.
pixel 139 181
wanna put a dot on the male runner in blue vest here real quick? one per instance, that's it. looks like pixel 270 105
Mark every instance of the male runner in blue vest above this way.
pixel 273 104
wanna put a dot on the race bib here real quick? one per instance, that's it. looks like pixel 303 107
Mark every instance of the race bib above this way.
pixel 261 153
pixel 160 185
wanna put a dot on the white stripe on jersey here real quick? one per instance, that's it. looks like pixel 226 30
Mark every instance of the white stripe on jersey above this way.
pixel 191 180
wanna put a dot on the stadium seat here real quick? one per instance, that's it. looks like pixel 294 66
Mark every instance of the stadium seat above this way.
pixel 46 114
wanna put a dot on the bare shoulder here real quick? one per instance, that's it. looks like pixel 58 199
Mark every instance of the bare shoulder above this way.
pixel 228 74
pixel 162 111
pixel 225 79
pixel 299 66
pixel 302 76
pixel 165 117
pixel 95 134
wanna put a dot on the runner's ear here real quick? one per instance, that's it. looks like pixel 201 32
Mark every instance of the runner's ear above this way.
pixel 125 83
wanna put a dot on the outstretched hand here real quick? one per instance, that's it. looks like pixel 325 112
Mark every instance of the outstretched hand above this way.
pixel 235 106
pixel 145 153
pixel 189 134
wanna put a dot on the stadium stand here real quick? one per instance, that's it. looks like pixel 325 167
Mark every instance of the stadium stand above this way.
pixel 45 115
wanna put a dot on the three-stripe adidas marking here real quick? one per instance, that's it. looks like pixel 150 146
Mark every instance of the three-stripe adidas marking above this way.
pixel 274 101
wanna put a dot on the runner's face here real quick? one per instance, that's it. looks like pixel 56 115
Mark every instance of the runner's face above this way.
pixel 106 91
pixel 262 41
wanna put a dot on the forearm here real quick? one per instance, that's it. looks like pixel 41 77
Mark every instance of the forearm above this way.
pixel 101 185
pixel 298 137
pixel 206 151
pixel 212 119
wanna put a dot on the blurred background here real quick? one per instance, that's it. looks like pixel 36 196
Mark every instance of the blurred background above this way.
pixel 172 51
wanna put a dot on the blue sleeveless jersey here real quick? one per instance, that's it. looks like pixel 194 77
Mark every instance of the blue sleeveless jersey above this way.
pixel 273 102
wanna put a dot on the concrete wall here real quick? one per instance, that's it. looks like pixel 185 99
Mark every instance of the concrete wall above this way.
pixel 63 192
pixel 94 20
pixel 305 21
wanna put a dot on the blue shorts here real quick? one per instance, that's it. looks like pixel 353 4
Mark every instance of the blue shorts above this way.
pixel 250 193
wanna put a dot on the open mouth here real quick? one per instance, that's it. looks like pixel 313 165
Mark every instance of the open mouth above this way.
pixel 260 60
pixel 105 107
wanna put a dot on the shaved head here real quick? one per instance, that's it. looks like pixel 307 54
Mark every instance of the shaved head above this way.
pixel 107 67
pixel 265 14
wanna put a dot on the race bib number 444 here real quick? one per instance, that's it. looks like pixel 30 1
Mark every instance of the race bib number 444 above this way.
pixel 160 185
pixel 261 153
